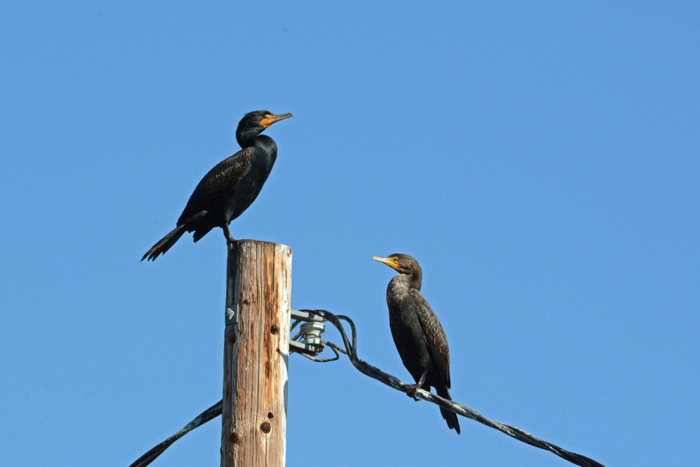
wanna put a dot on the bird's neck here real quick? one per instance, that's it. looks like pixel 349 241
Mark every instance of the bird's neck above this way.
pixel 246 136
pixel 412 281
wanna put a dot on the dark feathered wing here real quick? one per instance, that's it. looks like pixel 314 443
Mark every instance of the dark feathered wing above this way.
pixel 434 335
pixel 439 351
pixel 209 194
pixel 217 183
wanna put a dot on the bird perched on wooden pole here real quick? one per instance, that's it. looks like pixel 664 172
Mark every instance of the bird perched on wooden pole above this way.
pixel 417 331
pixel 230 187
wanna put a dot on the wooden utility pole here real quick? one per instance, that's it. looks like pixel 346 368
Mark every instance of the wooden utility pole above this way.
pixel 256 352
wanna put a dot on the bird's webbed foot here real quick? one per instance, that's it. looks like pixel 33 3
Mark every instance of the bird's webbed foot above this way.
pixel 413 391
pixel 229 239
pixel 414 388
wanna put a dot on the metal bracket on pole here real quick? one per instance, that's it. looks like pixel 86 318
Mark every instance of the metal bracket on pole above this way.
pixel 232 314
pixel 306 316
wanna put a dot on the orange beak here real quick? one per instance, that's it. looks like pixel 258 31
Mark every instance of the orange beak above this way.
pixel 270 119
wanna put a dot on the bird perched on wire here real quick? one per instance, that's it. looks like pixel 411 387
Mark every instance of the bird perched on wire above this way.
pixel 417 332
pixel 230 187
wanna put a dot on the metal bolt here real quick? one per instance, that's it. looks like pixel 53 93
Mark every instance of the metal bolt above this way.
pixel 266 427
pixel 274 329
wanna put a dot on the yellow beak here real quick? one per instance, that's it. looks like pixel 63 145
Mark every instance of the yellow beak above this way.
pixel 391 262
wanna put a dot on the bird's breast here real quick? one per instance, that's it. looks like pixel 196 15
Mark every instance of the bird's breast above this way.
pixel 248 187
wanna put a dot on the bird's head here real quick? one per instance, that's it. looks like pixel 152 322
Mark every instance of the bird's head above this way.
pixel 404 264
pixel 254 123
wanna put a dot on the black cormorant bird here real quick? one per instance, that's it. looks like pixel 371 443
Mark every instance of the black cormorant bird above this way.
pixel 417 332
pixel 230 187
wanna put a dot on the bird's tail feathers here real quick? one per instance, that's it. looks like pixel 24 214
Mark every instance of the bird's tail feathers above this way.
pixel 165 243
pixel 450 417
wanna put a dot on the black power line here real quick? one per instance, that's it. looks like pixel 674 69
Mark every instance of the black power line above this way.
pixel 373 372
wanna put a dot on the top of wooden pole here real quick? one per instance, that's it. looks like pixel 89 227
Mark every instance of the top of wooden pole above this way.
pixel 256 352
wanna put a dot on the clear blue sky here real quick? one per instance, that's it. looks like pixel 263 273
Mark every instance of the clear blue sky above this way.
pixel 539 160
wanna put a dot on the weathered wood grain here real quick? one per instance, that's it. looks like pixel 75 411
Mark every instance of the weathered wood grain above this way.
pixel 256 352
